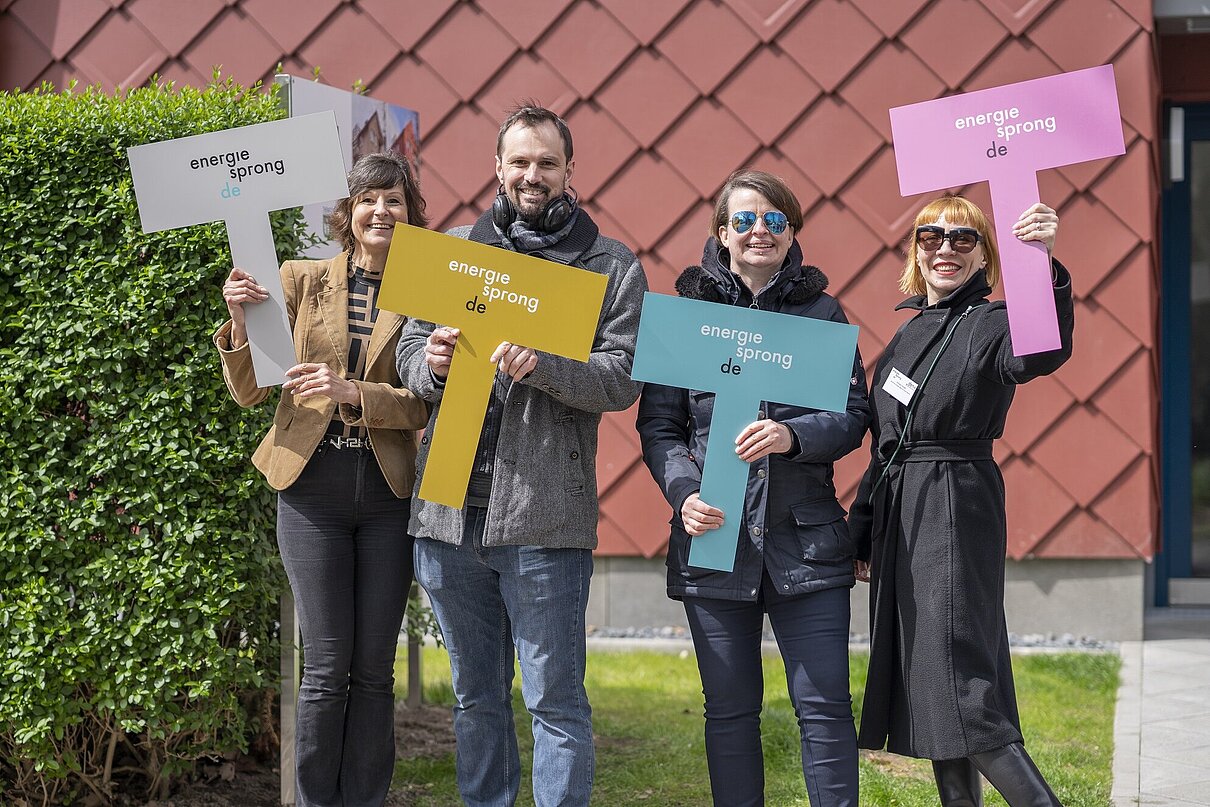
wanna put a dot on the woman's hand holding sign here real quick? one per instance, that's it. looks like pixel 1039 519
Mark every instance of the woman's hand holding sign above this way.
pixel 241 288
pixel 698 517
pixel 762 438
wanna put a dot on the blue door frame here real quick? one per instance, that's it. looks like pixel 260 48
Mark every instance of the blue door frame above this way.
pixel 1176 455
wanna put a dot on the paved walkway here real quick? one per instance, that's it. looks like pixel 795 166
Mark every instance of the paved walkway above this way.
pixel 1162 726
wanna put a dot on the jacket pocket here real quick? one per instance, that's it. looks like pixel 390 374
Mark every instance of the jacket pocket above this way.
pixel 822 533
pixel 284 416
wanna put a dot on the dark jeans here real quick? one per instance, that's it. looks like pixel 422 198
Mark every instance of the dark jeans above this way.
pixel 812 633
pixel 343 540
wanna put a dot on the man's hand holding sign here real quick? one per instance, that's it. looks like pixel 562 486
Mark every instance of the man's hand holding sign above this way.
pixel 1005 135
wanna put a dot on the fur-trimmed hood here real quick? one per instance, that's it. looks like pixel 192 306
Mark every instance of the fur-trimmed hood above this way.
pixel 795 283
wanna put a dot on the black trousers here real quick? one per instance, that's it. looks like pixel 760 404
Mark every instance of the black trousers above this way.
pixel 343 540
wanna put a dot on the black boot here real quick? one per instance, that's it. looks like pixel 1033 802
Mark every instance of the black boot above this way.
pixel 958 783
pixel 1014 774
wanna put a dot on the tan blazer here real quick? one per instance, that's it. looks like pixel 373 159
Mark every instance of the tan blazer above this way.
pixel 317 302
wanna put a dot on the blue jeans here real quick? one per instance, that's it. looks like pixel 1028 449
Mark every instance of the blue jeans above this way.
pixel 812 632
pixel 343 540
pixel 493 604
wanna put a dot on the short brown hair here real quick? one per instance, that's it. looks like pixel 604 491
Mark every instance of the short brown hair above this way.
pixel 530 114
pixel 964 213
pixel 772 187
pixel 385 169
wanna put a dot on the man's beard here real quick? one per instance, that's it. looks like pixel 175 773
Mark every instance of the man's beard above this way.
pixel 531 210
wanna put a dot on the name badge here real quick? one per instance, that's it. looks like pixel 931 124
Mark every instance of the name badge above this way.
pixel 900 387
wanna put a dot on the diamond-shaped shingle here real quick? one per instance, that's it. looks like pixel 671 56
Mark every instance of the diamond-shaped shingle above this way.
pixel 648 196
pixel 870 299
pixel 893 76
pixel 706 145
pixel 778 164
pixel 684 242
pixel 25 57
pixel 1014 61
pixel 602 147
pixel 1102 346
pixel 524 20
pixel 586 45
pixel 59 26
pixel 828 40
pixel 1129 398
pixel 638 513
pixel 1134 72
pixel 446 49
pixel 618 448
pixel 1083 453
pixel 645 20
pixel 831 143
pixel 762 105
pixel 694 44
pixel 628 96
pixel 413 84
pixel 119 52
pixel 890 17
pixel 341 64
pixel 174 24
pixel 287 22
pixel 526 76
pixel 1128 506
pixel 1103 29
pixel 1130 295
pixel 1035 408
pixel 1017 15
pixel 1035 505
pixel 1129 180
pixel 1098 239
pixel 406 23
pixel 1084 536
pixel 982 34
pixel 462 152
pixel 874 193
pixel 836 240
pixel 766 17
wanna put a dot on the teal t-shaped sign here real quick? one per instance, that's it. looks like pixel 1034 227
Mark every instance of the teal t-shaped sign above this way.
pixel 744 356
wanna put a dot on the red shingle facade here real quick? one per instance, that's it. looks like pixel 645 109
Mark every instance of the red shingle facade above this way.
pixel 665 99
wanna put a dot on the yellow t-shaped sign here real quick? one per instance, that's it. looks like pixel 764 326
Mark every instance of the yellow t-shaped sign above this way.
pixel 491 295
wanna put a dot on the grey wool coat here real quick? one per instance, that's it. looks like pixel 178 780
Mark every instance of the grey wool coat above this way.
pixel 544 484
pixel 940 682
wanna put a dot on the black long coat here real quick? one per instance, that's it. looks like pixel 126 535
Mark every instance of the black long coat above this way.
pixel 940 682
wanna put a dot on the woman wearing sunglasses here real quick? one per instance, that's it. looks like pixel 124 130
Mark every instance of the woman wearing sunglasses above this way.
pixel 929 514
pixel 795 560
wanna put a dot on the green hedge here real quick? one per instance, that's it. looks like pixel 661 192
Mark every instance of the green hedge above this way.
pixel 138 571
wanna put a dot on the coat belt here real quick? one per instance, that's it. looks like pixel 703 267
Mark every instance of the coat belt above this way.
pixel 946 451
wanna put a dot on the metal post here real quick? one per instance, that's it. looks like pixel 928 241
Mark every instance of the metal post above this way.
pixel 290 671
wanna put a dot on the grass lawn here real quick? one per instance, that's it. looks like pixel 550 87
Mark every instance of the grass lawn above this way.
pixel 647 718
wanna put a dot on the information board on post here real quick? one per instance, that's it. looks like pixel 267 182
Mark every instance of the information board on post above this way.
pixel 745 356
pixel 491 295
pixel 1005 135
pixel 238 176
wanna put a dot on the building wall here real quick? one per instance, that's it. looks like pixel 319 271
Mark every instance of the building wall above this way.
pixel 665 99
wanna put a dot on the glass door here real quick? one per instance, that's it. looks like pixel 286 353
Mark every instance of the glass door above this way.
pixel 1183 565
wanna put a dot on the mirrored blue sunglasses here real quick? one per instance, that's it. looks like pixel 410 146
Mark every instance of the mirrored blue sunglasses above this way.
pixel 775 221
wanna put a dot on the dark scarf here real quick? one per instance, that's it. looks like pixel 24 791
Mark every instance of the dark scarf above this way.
pixel 522 237
pixel 794 283
pixel 573 240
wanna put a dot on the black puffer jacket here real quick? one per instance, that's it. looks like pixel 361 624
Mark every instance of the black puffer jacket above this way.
pixel 793 525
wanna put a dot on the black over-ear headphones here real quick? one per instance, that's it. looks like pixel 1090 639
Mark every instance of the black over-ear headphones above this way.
pixel 554 214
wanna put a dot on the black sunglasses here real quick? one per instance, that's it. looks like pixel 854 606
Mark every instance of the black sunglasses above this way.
pixel 930 237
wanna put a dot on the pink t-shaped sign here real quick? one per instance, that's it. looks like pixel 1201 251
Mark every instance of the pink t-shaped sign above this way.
pixel 1005 135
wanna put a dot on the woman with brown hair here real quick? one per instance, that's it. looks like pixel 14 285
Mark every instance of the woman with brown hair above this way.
pixel 341 454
